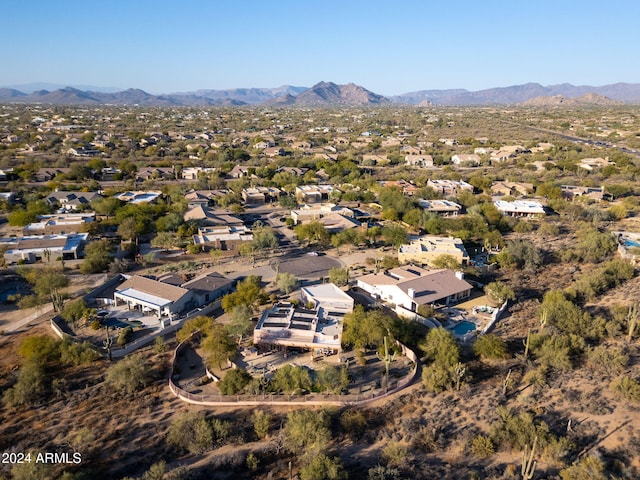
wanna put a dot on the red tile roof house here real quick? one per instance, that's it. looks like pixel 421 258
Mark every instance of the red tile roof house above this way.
pixel 410 286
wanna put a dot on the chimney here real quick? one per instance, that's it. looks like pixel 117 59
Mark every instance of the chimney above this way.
pixel 460 275
pixel 412 293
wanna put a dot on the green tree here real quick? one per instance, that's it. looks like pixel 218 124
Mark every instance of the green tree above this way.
pixel 129 374
pixel 169 222
pixel 491 347
pixel 30 388
pixel 191 432
pixel 287 282
pixel 322 467
pixel 48 283
pixel 165 240
pixel 292 380
pixel 234 381
pixel 239 322
pixel 130 229
pixel 339 276
pixel 446 261
pixel 499 292
pixel 595 246
pixel 313 231
pixel 591 468
pixel 248 292
pixel 440 347
pixel 75 311
pixel 394 234
pixel 218 347
pixel 261 421
pixel 97 257
pixel 307 432
pixel 332 379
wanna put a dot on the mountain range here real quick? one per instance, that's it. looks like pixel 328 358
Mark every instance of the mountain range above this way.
pixel 328 93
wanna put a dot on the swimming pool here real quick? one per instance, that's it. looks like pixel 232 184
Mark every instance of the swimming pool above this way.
pixel 627 242
pixel 463 327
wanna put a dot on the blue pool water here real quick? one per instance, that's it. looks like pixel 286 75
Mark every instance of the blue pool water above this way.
pixel 5 294
pixel 464 327
pixel 630 243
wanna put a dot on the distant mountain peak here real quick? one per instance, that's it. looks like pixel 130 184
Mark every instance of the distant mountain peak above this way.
pixel 329 93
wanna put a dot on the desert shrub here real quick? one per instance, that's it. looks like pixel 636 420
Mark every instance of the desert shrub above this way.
pixel 191 432
pixel 159 345
pixel 523 227
pixel 589 467
pixel 598 280
pixel 520 254
pixel 395 454
pixel 607 360
pixel 261 421
pixel 129 374
pixel 380 472
pixel 30 388
pixel 517 430
pixel 221 430
pixel 594 246
pixel 252 462
pixel 549 229
pixel 125 336
pixel 39 349
pixel 482 446
pixel 441 348
pixel 353 423
pixel 307 432
pixel 554 351
pixel 73 353
pixel 559 311
pixel 627 388
pixel 234 381
pixel 322 467
pixel 499 292
pixel 490 347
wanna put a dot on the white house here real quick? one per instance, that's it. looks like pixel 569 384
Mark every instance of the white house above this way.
pixel 410 286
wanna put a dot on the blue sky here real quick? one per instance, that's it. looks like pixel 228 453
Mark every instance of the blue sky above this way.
pixel 390 47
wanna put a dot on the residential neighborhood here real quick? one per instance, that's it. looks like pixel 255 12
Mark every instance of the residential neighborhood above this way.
pixel 268 259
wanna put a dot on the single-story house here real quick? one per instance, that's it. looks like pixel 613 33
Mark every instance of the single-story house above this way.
pixel 572 191
pixel 511 188
pixel 318 329
pixel 445 208
pixel 410 286
pixel 169 297
pixel 71 200
pixel 313 193
pixel 209 217
pixel 307 213
pixel 449 187
pixel 59 223
pixel 223 237
pixel 520 208
pixel 45 248
pixel 425 249
pixel 471 159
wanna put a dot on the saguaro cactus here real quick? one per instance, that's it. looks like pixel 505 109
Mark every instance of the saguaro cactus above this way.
pixel 632 320
pixel 387 358
pixel 526 344
pixel 528 463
